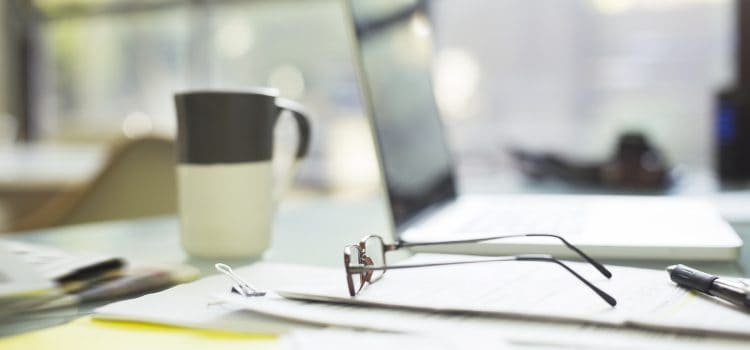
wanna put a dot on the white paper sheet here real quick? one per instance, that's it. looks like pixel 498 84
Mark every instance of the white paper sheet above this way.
pixel 192 305
pixel 18 277
pixel 21 285
pixel 345 339
pixel 523 333
pixel 540 290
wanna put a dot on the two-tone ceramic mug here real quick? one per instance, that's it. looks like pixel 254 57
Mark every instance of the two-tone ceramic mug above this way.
pixel 226 188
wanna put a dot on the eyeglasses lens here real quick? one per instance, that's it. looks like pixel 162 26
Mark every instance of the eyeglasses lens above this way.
pixel 374 251
pixel 354 280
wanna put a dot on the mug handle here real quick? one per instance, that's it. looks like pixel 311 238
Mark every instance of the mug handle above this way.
pixel 303 128
pixel 303 124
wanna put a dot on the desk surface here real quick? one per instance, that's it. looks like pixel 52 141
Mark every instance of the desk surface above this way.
pixel 310 231
pixel 42 165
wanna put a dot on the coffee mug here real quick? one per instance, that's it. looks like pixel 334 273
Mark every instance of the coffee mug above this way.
pixel 225 185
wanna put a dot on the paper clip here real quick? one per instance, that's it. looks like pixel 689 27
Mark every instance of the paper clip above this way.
pixel 240 287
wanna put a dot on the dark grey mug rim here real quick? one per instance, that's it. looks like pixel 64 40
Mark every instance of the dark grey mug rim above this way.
pixel 212 142
pixel 264 91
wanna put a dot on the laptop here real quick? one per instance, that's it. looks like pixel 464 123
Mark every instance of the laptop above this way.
pixel 393 55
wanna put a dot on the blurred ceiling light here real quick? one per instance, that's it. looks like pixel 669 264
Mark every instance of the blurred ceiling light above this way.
pixel 234 38
pixel 456 77
pixel 612 7
pixel 617 7
pixel 668 5
pixel 136 124
pixel 289 80
pixel 420 25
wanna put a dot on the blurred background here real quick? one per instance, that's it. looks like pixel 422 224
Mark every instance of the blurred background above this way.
pixel 544 75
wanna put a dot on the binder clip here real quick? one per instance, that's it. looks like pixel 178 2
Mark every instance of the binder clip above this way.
pixel 240 286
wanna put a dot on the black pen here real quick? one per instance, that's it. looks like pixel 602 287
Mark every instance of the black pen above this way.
pixel 735 292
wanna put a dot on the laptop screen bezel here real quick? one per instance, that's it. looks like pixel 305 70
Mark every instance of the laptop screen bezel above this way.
pixel 446 191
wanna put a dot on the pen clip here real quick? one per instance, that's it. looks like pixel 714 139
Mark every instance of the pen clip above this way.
pixel 240 287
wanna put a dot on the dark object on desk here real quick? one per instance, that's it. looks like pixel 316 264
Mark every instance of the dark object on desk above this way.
pixel 732 135
pixel 732 109
pixel 735 292
pixel 635 164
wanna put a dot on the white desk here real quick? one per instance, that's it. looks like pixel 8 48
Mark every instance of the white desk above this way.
pixel 48 165
pixel 310 231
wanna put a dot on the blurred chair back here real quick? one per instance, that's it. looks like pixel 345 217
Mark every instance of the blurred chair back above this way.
pixel 138 180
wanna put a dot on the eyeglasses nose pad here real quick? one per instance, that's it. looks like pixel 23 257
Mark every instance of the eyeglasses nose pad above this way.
pixel 367 261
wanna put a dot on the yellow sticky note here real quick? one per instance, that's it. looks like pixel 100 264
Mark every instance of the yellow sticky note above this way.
pixel 87 334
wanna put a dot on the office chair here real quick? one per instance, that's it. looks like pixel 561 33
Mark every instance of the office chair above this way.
pixel 138 180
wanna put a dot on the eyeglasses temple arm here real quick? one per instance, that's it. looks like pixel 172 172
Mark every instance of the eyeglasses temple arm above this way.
pixel 356 269
pixel 583 255
pixel 603 270
pixel 608 298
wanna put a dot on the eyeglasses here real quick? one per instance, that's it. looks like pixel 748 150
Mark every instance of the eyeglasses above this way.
pixel 365 262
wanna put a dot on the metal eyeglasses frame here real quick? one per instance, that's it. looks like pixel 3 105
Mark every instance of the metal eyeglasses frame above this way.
pixel 366 268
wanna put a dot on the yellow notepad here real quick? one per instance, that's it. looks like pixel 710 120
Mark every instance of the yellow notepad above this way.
pixel 85 333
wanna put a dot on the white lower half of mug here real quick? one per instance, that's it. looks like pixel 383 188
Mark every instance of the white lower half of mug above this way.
pixel 226 210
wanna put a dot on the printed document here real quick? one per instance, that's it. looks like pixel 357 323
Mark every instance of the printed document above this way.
pixel 646 298
pixel 21 285
pixel 208 304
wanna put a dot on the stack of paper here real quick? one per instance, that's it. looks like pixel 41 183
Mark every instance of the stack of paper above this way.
pixel 524 289
pixel 194 305
pixel 35 277
pixel 21 286
pixel 646 298
pixel 87 334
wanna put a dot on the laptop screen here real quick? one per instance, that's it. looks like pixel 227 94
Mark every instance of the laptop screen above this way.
pixel 394 53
